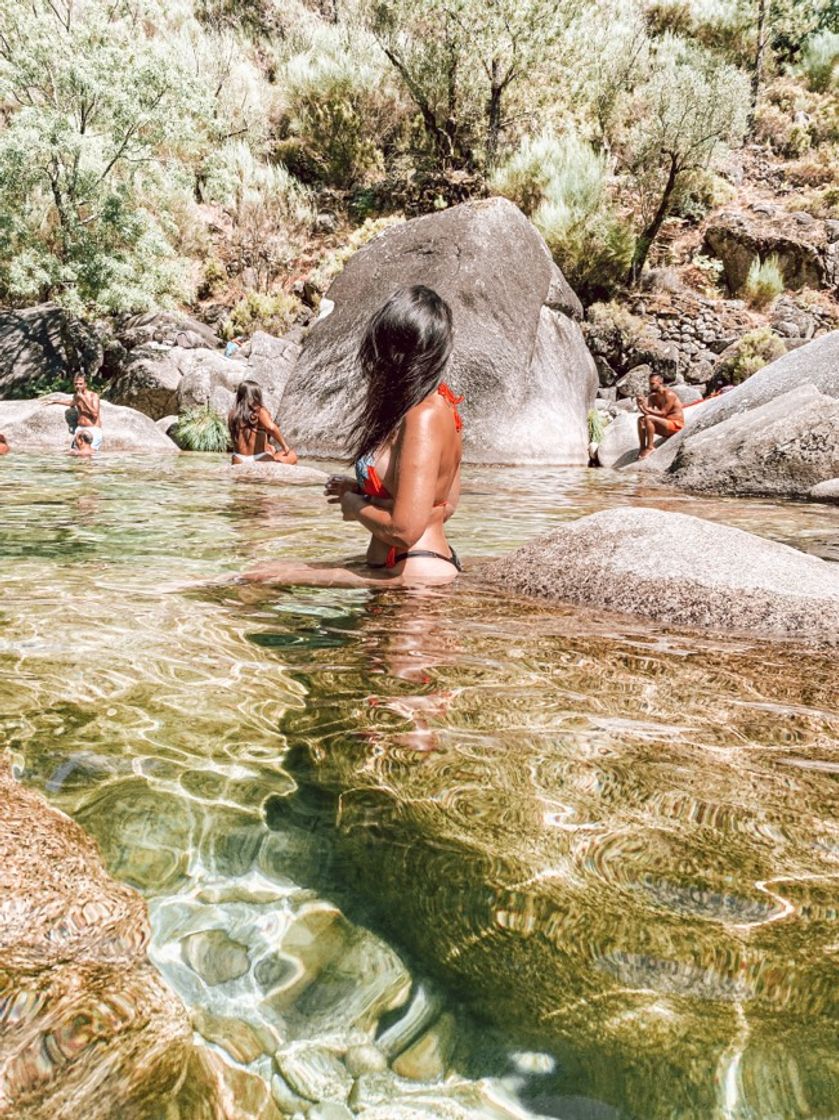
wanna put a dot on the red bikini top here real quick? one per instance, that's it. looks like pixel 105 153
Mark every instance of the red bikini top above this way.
pixel 368 479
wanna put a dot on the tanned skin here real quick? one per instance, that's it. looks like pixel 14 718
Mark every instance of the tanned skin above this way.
pixel 86 404
pixel 256 441
pixel 659 411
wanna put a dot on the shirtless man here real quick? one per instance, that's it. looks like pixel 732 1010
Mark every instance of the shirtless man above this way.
pixel 661 415
pixel 88 411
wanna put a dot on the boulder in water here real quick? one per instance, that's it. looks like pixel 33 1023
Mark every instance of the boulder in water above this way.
pixel 519 356
pixel 679 570
pixel 776 433
pixel 41 425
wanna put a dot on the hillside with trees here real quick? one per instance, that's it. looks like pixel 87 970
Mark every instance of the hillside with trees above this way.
pixel 226 156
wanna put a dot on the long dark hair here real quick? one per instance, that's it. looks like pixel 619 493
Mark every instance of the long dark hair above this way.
pixel 403 354
pixel 246 409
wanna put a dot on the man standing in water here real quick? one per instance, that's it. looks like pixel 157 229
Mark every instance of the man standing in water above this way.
pixel 661 414
pixel 87 409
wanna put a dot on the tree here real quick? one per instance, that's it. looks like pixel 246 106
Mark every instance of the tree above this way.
pixel 461 60
pixel 95 109
pixel 688 111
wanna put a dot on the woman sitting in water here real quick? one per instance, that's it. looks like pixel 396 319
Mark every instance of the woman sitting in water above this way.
pixel 251 428
pixel 406 447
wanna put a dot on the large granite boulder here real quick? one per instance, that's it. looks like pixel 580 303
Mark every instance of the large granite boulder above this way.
pixel 41 425
pixel 167 328
pixel 89 1029
pixel 776 433
pixel 149 382
pixel 519 357
pixel 678 570
pixel 43 343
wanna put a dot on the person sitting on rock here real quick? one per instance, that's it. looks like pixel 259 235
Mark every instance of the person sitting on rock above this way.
pixel 4 446
pixel 85 412
pixel 661 414
pixel 407 448
pixel 82 443
pixel 252 429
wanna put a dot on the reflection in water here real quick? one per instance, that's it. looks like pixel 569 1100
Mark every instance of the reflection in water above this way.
pixel 621 851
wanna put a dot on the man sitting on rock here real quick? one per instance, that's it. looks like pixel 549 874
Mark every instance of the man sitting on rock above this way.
pixel 85 412
pixel 661 414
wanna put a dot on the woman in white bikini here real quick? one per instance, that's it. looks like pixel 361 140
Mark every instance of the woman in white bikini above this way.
pixel 251 429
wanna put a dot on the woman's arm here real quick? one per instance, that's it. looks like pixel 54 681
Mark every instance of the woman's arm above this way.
pixel 417 452
pixel 267 424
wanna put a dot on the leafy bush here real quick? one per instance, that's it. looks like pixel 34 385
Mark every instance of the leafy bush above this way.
pixel 749 354
pixel 820 61
pixel 201 429
pixel 563 185
pixel 273 312
pixel 596 425
pixel 340 110
pixel 764 283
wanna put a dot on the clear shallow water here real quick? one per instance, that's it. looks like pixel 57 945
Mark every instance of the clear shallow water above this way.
pixel 620 849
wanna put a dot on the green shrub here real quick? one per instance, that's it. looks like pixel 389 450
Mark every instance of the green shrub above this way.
pixel 596 426
pixel 273 312
pixel 764 283
pixel 563 185
pixel 749 354
pixel 820 61
pixel 201 429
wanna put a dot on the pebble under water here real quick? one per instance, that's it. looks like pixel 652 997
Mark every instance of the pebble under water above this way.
pixel 443 854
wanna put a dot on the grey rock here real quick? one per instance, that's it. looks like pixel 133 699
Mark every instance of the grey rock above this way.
pixel 44 342
pixel 41 425
pixel 679 570
pixel 607 393
pixel 167 328
pixel 208 378
pixel 313 1072
pixel 149 382
pixel 831 229
pixel 687 394
pixel 424 1008
pixel 635 383
pixel 521 364
pixel 214 956
pixel 330 1110
pixel 784 446
pixel 166 423
pixel 827 491
pixel 737 241
pixel 365 1058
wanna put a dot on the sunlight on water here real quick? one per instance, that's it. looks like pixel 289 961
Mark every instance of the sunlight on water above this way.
pixel 598 868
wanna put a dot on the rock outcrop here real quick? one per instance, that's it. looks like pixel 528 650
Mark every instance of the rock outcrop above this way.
pixel 41 425
pixel 805 248
pixel 160 380
pixel 680 571
pixel 519 358
pixel 41 344
pixel 776 433
pixel 89 1027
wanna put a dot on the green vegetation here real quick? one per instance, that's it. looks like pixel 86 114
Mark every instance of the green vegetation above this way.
pixel 749 354
pixel 160 152
pixel 596 425
pixel 764 283
pixel 201 429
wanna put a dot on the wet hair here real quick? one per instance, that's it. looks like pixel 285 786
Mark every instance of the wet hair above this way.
pixel 84 436
pixel 247 406
pixel 403 355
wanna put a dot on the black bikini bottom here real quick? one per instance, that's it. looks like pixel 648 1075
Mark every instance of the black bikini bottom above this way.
pixel 398 557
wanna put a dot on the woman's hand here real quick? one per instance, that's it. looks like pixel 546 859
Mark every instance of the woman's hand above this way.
pixel 337 485
pixel 351 505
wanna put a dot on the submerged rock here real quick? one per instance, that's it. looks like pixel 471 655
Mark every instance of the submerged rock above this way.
pixel 89 1027
pixel 826 491
pixel 41 425
pixel 519 356
pixel 679 570
pixel 280 473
